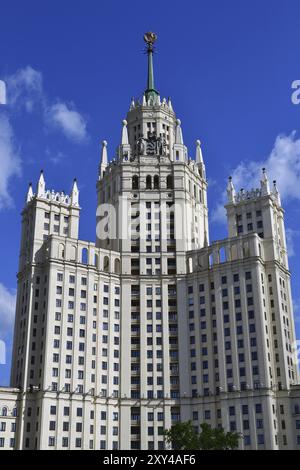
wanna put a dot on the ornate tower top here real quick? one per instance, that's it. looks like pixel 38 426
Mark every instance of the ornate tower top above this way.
pixel 150 39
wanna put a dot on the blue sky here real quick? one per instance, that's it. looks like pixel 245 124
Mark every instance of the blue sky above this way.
pixel 72 68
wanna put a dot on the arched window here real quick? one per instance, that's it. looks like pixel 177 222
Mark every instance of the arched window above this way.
pixel 135 182
pixel 222 255
pixel 156 182
pixel 117 266
pixel 96 259
pixel 195 191
pixel 106 264
pixel 4 411
pixel 148 182
pixel 169 182
pixel 84 256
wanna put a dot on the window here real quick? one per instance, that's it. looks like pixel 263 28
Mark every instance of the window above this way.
pixel 259 424
pixel 258 408
pixel 52 426
pixel 65 442
pixel 77 442
pixel 232 426
pixel 135 182
pixel 169 182
pixel 260 439
pixel 51 441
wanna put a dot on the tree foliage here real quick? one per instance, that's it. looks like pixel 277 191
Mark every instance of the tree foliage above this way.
pixel 183 436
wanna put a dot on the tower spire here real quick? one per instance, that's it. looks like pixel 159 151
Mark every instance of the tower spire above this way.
pixel 150 92
pixel 41 186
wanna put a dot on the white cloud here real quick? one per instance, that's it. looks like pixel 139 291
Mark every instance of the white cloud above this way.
pixel 296 305
pixel 218 214
pixel 10 162
pixel 291 234
pixel 282 165
pixel 25 93
pixel 68 120
pixel 2 92
pixel 25 90
pixel 7 311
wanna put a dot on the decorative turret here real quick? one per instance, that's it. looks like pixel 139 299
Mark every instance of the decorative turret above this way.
pixel 29 193
pixel 125 148
pixel 199 159
pixel 230 191
pixel 276 193
pixel 124 139
pixel 179 147
pixel 132 104
pixel 103 160
pixel 178 133
pixel 264 183
pixel 75 194
pixel 41 186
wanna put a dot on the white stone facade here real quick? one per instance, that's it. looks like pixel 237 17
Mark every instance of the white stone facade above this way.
pixel 117 340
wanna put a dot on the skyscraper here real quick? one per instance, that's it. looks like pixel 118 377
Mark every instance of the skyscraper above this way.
pixel 117 340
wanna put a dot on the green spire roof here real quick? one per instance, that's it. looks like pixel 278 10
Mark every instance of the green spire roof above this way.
pixel 150 38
